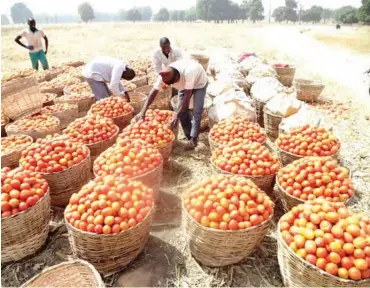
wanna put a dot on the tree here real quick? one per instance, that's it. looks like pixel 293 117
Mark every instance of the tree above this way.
pixel 133 15
pixel 181 15
pixel 364 12
pixel 346 14
pixel 243 12
pixel 174 15
pixel 86 12
pixel 163 15
pixel 312 15
pixel 291 4
pixel 232 12
pixel 279 14
pixel 219 9
pixel 20 13
pixel 327 14
pixel 146 13
pixel 203 9
pixel 190 14
pixel 4 20
pixel 122 15
pixel 255 10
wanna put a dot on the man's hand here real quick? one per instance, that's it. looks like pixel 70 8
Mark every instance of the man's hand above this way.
pixel 30 47
pixel 46 52
pixel 174 122
pixel 127 97
pixel 139 117
pixel 165 86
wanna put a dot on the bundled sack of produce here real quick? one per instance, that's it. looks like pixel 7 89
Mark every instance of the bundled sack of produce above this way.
pixel 248 64
pixel 237 78
pixel 305 116
pixel 230 103
pixel 220 86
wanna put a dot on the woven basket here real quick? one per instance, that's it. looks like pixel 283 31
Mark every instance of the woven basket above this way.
pixel 11 159
pixel 204 124
pixel 213 144
pixel 55 90
pixel 51 101
pixel 287 157
pixel 211 122
pixel 66 117
pixel 217 248
pixel 122 121
pixel 97 148
pixel 285 75
pixel 20 98
pixel 24 233
pixel 297 272
pixel 166 150
pixel 35 134
pixel 201 59
pixel 64 183
pixel 137 101
pixel 265 182
pixel 84 105
pixel 110 253
pixel 308 90
pixel 259 105
pixel 162 101
pixel 271 124
pixel 140 81
pixel 3 132
pixel 76 273
pixel 75 63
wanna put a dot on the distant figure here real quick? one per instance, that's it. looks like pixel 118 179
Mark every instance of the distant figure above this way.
pixel 34 44
pixel 338 26
pixel 107 69
pixel 165 55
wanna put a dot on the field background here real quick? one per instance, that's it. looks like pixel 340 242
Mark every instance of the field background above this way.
pixel 337 58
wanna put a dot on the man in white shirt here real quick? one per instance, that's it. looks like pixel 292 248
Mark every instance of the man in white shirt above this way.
pixel 189 77
pixel 105 69
pixel 34 44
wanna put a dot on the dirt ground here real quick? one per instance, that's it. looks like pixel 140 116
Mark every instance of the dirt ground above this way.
pixel 166 260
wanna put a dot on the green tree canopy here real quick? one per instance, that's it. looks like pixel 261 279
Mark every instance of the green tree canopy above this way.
pixel 255 10
pixel 20 13
pixel 163 15
pixel 364 12
pixel 146 13
pixel 346 14
pixel 86 12
pixel 327 14
pixel 4 20
pixel 190 14
pixel 133 15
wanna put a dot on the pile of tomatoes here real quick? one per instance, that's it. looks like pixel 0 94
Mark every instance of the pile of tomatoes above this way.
pixel 38 122
pixel 129 158
pixel 109 205
pixel 74 97
pixel 316 177
pixel 326 235
pixel 91 129
pixel 228 203
pixel 111 107
pixel 20 190
pixel 252 159
pixel 309 141
pixel 82 88
pixel 57 108
pixel 52 156
pixel 237 127
pixel 15 142
pixel 151 132
pixel 160 116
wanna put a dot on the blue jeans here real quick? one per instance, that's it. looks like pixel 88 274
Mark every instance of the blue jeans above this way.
pixel 100 88
pixel 191 127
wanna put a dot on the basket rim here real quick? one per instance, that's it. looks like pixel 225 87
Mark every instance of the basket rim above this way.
pixel 281 240
pixel 16 150
pixel 113 118
pixel 7 120
pixel 69 168
pixel 53 113
pixel 309 82
pixel 64 96
pixel 141 94
pixel 74 229
pixel 54 96
pixel 94 272
pixel 265 110
pixel 30 208
pixel 241 175
pixel 300 156
pixel 240 231
pixel 291 66
pixel 34 130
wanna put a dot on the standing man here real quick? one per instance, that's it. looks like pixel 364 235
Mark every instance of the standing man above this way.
pixel 165 55
pixel 189 77
pixel 107 69
pixel 34 44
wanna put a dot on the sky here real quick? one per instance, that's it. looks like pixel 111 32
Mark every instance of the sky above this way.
pixel 112 6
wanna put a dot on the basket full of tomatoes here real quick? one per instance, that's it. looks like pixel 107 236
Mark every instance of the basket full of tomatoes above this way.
pixel 306 141
pixel 154 133
pixel 11 149
pixel 250 160
pixel 66 113
pixel 162 101
pixel 226 217
pixel 134 159
pixel 313 178
pixel 115 108
pixel 236 128
pixel 48 99
pixel 321 244
pixel 64 164
pixel 96 132
pixel 137 101
pixel 25 213
pixel 109 222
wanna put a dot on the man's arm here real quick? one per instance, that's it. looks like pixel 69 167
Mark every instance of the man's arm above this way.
pixel 46 44
pixel 152 94
pixel 184 105
pixel 18 41
pixel 116 78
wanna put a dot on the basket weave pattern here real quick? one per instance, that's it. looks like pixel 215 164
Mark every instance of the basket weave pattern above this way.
pixel 201 59
pixel 217 248
pixel 110 253
pixel 299 273
pixel 166 150
pixel 259 105
pixel 137 101
pixel 271 124
pixel 84 104
pixel 162 101
pixel 152 179
pixel 11 159
pixel 76 273
pixel 122 121
pixel 66 117
pixel 285 75
pixel 97 148
pixel 24 233
pixel 308 90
